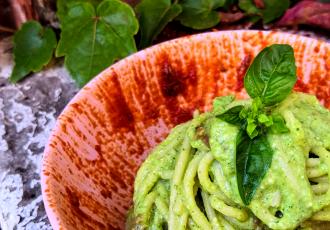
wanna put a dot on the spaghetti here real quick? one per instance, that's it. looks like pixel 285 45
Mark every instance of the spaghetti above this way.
pixel 189 180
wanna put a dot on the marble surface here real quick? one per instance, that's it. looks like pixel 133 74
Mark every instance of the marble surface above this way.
pixel 28 112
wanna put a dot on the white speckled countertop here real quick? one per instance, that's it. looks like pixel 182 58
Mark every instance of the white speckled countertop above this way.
pixel 28 112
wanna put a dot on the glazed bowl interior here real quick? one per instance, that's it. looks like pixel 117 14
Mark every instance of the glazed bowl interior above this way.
pixel 111 125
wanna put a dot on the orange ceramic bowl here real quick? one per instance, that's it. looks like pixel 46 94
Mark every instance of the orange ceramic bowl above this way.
pixel 110 126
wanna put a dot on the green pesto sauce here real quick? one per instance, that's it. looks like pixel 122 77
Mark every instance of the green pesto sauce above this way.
pixel 285 187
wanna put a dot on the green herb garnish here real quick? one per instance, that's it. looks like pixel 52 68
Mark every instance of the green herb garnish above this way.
pixel 272 74
pixel 268 81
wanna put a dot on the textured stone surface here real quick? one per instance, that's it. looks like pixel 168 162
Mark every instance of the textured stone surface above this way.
pixel 28 111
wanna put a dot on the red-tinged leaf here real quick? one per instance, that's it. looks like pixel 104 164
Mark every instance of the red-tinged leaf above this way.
pixel 230 17
pixel 259 4
pixel 309 13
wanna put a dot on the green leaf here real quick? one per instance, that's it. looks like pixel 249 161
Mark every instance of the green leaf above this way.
pixel 251 129
pixel 266 120
pixel 200 14
pixel 253 18
pixel 253 159
pixel 273 8
pixel 256 106
pixel 33 48
pixel 63 6
pixel 92 39
pixel 153 17
pixel 272 74
pixel 232 115
pixel 229 3
pixel 279 125
pixel 244 113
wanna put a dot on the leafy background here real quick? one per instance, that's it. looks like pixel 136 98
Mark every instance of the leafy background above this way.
pixel 93 34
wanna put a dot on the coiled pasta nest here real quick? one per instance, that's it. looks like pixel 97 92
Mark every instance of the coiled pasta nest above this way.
pixel 189 181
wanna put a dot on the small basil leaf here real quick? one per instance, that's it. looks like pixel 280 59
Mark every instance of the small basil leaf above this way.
pixel 278 125
pixel 272 74
pixel 220 103
pixel 256 106
pixel 251 130
pixel 266 120
pixel 263 118
pixel 244 113
pixel 232 115
pixel 253 159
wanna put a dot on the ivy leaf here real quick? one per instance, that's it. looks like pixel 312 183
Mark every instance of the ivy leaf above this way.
pixel 253 159
pixel 200 14
pixel 63 6
pixel 229 3
pixel 153 17
pixel 272 74
pixel 272 8
pixel 92 39
pixel 33 48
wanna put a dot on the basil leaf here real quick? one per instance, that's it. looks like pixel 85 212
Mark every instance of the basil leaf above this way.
pixel 253 159
pixel 153 17
pixel 251 129
pixel 256 106
pixel 33 48
pixel 266 120
pixel 200 14
pixel 278 125
pixel 92 39
pixel 272 9
pixel 272 74
pixel 232 115
pixel 244 113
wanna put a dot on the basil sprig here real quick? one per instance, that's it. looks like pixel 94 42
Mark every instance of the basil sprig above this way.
pixel 268 81
pixel 272 74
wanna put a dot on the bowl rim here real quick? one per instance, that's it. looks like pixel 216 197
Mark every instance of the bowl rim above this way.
pixel 53 218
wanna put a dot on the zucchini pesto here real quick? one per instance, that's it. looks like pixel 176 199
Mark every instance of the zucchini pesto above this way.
pixel 261 163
